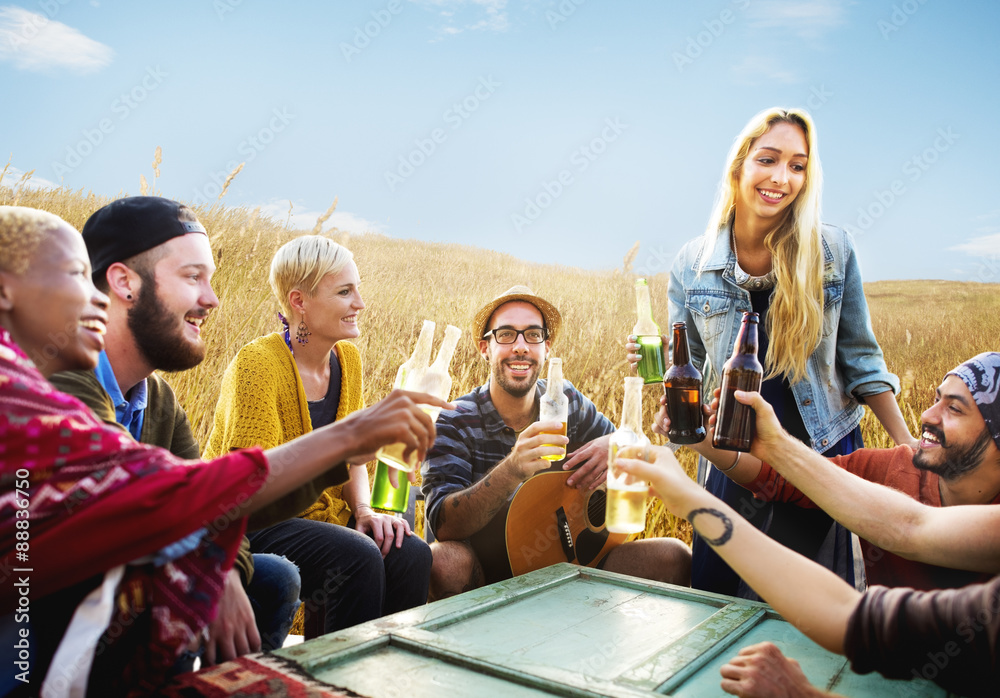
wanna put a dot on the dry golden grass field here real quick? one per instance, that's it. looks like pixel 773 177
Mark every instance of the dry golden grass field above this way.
pixel 924 327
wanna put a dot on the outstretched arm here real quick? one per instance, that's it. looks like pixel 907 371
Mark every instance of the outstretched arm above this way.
pixel 809 596
pixel 885 517
pixel 398 418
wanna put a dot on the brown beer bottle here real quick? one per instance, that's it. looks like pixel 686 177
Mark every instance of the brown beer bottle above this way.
pixel 682 384
pixel 735 422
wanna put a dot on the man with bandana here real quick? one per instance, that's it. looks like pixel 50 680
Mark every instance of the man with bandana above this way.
pixel 957 461
pixel 152 257
pixel 949 636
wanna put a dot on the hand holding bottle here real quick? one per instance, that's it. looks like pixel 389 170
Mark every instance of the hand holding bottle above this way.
pixel 633 350
pixel 434 379
pixel 535 449
pixel 626 503
pixel 651 364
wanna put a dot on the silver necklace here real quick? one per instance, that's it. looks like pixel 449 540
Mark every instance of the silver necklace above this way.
pixel 747 281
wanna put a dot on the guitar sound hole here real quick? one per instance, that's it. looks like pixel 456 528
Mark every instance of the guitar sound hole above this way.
pixel 596 508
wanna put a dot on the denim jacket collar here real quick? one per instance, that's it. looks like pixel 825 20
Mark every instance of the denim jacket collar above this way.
pixel 724 258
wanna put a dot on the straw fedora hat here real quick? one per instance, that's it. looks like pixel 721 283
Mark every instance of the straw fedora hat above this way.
pixel 517 293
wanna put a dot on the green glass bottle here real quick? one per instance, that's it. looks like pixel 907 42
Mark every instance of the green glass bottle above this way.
pixel 651 366
pixel 385 497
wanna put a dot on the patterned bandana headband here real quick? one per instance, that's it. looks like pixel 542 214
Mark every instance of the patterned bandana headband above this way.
pixel 982 376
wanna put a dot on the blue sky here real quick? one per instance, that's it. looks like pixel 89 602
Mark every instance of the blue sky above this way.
pixel 553 130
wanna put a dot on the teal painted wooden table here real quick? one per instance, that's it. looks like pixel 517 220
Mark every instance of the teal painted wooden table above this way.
pixel 571 631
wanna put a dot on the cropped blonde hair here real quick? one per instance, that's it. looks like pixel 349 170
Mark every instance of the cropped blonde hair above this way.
pixel 794 322
pixel 22 230
pixel 302 263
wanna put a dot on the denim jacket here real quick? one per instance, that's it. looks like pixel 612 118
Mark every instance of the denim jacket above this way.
pixel 842 369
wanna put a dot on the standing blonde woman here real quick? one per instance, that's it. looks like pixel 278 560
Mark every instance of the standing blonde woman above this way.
pixel 355 564
pixel 765 250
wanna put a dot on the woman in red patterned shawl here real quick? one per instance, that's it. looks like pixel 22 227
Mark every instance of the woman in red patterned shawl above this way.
pixel 112 552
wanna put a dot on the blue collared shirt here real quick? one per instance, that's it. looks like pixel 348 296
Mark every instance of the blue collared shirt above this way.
pixel 128 412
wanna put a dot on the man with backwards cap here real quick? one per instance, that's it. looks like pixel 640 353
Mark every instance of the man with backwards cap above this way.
pixel 493 442
pixel 152 257
pixel 950 636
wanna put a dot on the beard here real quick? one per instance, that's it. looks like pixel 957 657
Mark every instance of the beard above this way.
pixel 159 334
pixel 958 460
pixel 520 388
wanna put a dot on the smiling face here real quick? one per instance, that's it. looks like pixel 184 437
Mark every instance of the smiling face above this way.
pixel 773 174
pixel 173 302
pixel 515 367
pixel 331 312
pixel 953 438
pixel 52 309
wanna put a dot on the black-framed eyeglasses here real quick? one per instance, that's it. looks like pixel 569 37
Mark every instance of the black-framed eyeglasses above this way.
pixel 508 335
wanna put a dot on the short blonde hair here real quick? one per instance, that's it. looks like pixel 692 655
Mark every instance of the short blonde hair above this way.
pixel 302 263
pixel 22 230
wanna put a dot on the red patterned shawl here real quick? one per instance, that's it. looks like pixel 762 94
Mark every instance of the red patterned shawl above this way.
pixel 97 499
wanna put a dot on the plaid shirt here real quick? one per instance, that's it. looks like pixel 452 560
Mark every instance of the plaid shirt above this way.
pixel 473 438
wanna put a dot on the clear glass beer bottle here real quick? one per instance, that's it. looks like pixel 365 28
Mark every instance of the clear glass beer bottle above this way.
pixel 554 405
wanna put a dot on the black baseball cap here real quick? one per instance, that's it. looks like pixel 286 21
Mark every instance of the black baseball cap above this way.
pixel 130 226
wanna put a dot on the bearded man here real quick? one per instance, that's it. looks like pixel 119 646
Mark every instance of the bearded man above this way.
pixel 152 257
pixel 956 461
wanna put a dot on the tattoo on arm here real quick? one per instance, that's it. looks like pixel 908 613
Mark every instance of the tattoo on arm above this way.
pixel 468 496
pixel 726 535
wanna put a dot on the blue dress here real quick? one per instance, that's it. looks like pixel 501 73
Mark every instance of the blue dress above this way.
pixel 810 532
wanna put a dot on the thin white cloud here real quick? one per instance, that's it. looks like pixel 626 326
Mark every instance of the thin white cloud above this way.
pixel 807 19
pixel 34 42
pixel 754 70
pixel 982 246
pixel 304 219
pixel 468 15
pixel 14 176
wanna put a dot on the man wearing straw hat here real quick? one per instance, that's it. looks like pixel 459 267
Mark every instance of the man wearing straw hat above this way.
pixel 493 442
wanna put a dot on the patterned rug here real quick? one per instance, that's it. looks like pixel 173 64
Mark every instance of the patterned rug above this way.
pixel 251 676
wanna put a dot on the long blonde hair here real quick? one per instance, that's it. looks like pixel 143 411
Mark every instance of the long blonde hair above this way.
pixel 794 322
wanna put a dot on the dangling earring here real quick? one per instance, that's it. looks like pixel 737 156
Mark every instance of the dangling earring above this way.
pixel 302 332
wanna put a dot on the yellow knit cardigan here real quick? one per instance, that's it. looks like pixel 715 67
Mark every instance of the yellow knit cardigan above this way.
pixel 263 403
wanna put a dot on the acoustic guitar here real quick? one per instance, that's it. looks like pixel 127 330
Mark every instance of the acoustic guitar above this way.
pixel 546 522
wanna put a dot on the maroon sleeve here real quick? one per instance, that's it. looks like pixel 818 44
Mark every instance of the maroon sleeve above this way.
pixel 948 636
pixel 149 513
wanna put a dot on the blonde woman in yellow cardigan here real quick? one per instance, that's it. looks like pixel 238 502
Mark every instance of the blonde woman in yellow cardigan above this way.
pixel 355 564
